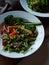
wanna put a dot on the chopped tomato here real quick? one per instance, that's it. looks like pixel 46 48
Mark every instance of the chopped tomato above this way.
pixel 11 27
pixel 13 33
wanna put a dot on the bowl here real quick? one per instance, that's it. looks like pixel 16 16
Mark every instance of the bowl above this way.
pixel 25 6
pixel 38 42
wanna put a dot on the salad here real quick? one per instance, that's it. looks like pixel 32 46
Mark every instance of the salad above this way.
pixel 39 5
pixel 18 34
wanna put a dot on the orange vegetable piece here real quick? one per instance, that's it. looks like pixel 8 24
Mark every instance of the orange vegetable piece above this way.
pixel 13 33
pixel 11 27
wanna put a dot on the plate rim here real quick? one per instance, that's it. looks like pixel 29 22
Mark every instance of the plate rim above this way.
pixel 39 14
pixel 36 49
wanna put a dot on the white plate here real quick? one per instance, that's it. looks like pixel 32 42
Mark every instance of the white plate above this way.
pixel 25 6
pixel 39 38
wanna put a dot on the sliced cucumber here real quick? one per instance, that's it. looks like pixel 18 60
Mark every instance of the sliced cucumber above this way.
pixel 33 23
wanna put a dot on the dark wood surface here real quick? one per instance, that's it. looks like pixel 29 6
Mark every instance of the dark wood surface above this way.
pixel 41 56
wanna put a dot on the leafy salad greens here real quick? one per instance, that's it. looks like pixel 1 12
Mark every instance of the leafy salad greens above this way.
pixel 39 5
pixel 18 34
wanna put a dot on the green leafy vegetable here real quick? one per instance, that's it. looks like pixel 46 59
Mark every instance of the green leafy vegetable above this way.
pixel 39 5
pixel 24 37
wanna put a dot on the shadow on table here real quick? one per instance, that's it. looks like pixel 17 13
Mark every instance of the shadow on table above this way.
pixel 8 61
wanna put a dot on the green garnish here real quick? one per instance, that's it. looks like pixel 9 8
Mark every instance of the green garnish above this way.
pixel 24 37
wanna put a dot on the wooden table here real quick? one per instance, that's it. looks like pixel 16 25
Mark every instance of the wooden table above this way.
pixel 40 57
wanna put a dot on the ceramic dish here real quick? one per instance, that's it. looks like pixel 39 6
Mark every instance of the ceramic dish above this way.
pixel 38 42
pixel 25 6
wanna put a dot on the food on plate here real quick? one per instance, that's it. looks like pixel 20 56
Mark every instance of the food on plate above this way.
pixel 39 5
pixel 18 34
